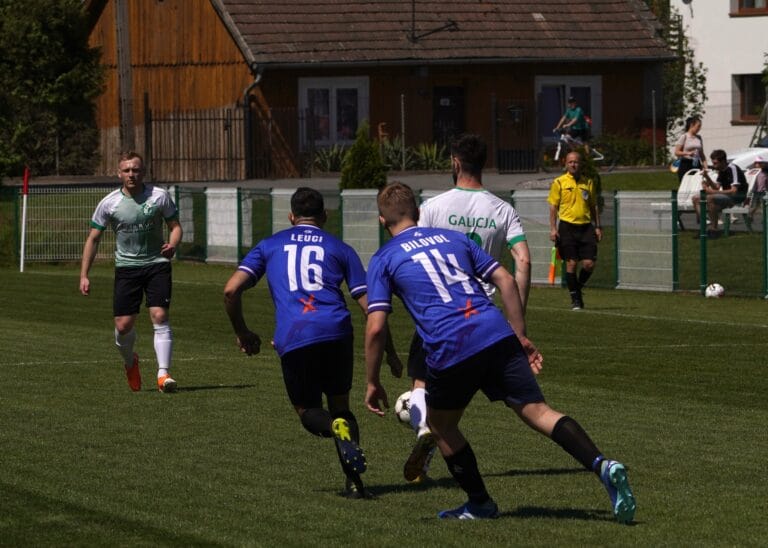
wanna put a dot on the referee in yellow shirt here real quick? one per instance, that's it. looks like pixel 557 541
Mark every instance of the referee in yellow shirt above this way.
pixel 573 201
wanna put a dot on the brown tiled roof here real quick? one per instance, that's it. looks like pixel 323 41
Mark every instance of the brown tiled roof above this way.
pixel 297 32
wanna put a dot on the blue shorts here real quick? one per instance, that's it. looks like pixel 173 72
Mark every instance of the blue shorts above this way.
pixel 317 369
pixel 501 371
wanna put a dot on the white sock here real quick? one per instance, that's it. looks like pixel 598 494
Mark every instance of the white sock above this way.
pixel 418 411
pixel 125 345
pixel 163 346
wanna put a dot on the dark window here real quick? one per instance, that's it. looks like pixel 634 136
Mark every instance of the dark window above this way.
pixel 750 96
pixel 752 7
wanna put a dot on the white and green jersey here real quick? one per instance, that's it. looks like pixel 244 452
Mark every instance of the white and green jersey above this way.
pixel 137 222
pixel 492 223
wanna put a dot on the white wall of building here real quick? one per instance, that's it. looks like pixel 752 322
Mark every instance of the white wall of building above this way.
pixel 727 46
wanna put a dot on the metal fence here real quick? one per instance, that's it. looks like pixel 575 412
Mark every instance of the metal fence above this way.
pixel 643 246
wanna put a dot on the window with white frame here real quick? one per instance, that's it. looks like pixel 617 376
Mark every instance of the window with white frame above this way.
pixel 749 97
pixel 334 108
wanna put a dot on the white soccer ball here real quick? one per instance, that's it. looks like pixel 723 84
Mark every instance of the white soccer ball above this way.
pixel 403 407
pixel 714 291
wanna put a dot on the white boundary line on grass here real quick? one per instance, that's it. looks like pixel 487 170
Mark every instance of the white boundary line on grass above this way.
pixel 646 317
pixel 544 308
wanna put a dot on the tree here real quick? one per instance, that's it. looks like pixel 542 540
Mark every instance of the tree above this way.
pixel 685 80
pixel 49 80
pixel 363 166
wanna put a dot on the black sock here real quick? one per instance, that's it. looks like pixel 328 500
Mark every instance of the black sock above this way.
pixel 583 277
pixel 463 467
pixel 570 281
pixel 354 429
pixel 317 421
pixel 569 435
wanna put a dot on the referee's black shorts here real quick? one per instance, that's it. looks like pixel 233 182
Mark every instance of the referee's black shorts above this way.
pixel 577 242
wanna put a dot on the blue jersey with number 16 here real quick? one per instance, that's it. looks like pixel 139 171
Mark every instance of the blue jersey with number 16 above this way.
pixel 433 271
pixel 305 268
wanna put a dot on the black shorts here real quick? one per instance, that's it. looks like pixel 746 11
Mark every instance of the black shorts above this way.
pixel 131 283
pixel 317 369
pixel 501 371
pixel 417 359
pixel 577 242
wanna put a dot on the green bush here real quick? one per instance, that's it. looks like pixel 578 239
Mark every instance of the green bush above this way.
pixel 363 166
pixel 629 151
pixel 429 157
pixel 330 159
pixel 392 154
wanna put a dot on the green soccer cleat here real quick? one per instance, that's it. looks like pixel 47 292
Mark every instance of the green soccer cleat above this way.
pixel 614 477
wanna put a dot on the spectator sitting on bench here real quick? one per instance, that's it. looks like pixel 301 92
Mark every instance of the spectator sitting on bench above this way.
pixel 730 188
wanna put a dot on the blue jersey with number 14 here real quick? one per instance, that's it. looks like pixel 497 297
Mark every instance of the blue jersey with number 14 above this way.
pixel 305 268
pixel 433 271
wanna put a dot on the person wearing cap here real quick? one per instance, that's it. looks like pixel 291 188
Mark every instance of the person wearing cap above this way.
pixel 574 122
pixel 761 184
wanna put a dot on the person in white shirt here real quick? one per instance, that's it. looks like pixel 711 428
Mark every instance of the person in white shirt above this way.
pixel 493 224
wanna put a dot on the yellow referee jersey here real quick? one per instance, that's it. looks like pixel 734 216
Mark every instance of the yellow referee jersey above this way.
pixel 574 200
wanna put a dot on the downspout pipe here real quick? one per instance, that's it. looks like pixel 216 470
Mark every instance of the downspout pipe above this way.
pixel 257 72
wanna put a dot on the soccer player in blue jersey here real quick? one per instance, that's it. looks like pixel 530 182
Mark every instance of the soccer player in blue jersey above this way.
pixel 136 212
pixel 305 267
pixel 470 346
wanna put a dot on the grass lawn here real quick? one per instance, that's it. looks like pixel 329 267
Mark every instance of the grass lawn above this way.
pixel 639 180
pixel 673 385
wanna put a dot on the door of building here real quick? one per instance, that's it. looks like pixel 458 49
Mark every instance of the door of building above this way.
pixel 448 114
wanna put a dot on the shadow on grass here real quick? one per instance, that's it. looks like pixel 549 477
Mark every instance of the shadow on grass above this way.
pixel 559 513
pixel 36 519
pixel 215 387
pixel 539 472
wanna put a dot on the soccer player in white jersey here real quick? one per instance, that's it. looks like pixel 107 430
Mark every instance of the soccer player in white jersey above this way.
pixel 136 212
pixel 471 346
pixel 494 225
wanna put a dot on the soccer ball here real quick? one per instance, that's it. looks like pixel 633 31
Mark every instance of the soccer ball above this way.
pixel 714 291
pixel 403 407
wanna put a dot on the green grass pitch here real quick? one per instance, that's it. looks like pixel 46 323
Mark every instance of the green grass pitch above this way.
pixel 672 385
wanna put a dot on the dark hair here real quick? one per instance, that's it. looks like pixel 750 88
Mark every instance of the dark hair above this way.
pixel 690 121
pixel 718 154
pixel 307 202
pixel 471 152
pixel 396 201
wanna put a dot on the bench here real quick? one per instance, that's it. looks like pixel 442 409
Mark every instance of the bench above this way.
pixel 741 209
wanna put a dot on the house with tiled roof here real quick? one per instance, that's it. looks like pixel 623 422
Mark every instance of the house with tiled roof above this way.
pixel 311 72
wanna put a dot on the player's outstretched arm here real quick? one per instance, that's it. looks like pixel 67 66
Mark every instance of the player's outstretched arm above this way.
pixel 522 257
pixel 375 340
pixel 174 239
pixel 89 254
pixel 510 299
pixel 248 341
pixel 390 354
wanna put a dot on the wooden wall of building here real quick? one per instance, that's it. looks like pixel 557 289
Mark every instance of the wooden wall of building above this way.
pixel 182 57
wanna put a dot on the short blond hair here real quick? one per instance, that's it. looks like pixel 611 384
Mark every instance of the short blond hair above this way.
pixel 130 155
